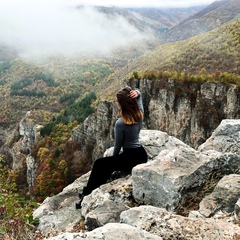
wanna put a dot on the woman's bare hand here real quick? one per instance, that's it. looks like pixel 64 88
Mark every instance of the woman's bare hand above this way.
pixel 133 94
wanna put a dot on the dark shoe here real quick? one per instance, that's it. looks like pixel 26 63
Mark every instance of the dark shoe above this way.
pixel 78 204
pixel 81 195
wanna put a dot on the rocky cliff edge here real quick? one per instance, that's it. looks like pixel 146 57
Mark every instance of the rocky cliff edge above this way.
pixel 180 193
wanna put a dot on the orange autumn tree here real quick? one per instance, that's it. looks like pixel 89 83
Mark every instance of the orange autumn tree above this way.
pixel 53 170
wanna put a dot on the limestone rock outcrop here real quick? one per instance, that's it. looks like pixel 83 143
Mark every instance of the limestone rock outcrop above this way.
pixel 222 201
pixel 97 129
pixel 190 111
pixel 27 135
pixel 226 138
pixel 111 231
pixel 148 199
pixel 160 222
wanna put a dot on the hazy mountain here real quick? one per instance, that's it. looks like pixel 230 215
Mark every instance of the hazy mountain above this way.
pixel 83 31
pixel 169 17
pixel 7 53
pixel 213 16
pixel 141 22
pixel 217 50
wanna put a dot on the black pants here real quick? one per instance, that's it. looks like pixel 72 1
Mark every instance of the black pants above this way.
pixel 104 167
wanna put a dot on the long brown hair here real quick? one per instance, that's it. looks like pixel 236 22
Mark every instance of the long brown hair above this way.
pixel 129 109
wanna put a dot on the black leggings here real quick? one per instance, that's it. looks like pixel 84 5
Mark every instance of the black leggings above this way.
pixel 104 167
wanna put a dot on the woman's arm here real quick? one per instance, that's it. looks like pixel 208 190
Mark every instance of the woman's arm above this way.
pixel 137 94
pixel 118 137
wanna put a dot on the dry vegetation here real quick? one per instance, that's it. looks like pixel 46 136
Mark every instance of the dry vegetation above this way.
pixel 215 50
pixel 25 86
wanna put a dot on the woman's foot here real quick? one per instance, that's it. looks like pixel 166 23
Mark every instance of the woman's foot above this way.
pixel 78 204
pixel 81 195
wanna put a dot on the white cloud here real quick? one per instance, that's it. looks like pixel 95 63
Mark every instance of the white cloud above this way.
pixel 56 27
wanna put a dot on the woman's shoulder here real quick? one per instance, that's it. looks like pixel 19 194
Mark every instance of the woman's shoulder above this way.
pixel 119 121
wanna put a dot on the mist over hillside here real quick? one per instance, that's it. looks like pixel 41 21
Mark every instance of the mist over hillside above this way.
pixel 53 30
pixel 48 29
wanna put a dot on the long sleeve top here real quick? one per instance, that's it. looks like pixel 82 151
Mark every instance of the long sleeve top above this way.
pixel 127 136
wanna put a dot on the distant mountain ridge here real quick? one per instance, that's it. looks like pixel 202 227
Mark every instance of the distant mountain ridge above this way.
pixel 210 52
pixel 208 9
pixel 210 41
pixel 214 15
pixel 168 16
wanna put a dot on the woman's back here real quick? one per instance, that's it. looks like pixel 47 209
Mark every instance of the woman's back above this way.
pixel 126 131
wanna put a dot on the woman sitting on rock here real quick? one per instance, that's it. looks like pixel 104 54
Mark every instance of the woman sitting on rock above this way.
pixel 126 136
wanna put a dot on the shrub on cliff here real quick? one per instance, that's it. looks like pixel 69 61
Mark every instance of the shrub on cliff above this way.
pixel 15 211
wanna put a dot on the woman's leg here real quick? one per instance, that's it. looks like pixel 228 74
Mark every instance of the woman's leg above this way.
pixel 132 157
pixel 104 167
pixel 101 172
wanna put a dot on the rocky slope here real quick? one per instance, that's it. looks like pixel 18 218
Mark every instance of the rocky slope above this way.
pixel 145 205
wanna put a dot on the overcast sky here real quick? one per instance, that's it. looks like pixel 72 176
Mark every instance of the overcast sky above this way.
pixel 54 27
pixel 120 3
pixel 150 3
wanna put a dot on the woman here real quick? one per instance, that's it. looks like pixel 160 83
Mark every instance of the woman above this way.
pixel 126 135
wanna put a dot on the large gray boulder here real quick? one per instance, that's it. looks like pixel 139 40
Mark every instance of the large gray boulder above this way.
pixel 225 138
pixel 160 222
pixel 176 173
pixel 222 201
pixel 105 204
pixel 58 213
pixel 110 231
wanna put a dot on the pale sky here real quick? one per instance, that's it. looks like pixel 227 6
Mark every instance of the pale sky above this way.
pixel 119 3
pixel 149 3
pixel 49 27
